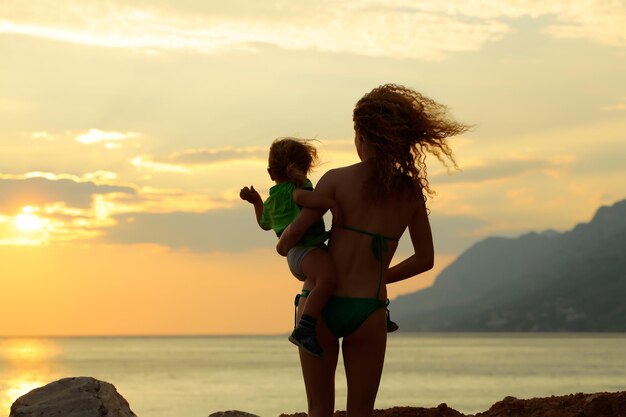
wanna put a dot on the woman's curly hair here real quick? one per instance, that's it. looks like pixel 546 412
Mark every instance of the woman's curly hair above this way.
pixel 402 126
pixel 292 159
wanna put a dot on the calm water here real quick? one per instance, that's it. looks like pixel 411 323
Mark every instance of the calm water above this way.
pixel 195 376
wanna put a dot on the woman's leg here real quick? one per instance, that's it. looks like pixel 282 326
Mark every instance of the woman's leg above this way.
pixel 364 356
pixel 319 373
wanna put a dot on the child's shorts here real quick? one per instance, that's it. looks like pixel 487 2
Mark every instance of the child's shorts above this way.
pixel 295 257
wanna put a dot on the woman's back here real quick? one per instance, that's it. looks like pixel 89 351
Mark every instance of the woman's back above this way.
pixel 358 269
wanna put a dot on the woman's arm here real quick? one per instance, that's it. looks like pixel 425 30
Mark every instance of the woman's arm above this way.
pixel 312 199
pixel 294 232
pixel 423 258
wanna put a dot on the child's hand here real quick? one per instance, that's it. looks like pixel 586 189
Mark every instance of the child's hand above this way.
pixel 249 194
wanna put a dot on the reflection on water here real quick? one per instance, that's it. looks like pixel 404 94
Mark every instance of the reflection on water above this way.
pixel 27 364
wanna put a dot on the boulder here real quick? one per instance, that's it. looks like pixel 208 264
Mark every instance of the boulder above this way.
pixel 72 397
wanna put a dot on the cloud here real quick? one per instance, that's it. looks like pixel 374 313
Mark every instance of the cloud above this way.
pixel 18 191
pixel 208 156
pixel 40 208
pixel 426 30
pixel 97 136
pixel 231 230
pixel 184 161
pixel 452 234
pixel 235 230
pixel 10 108
pixel 360 28
pixel 78 152
pixel 500 168
pixel 145 163
pixel 41 135
pixel 73 208
pixel 599 21
pixel 161 200
pixel 621 106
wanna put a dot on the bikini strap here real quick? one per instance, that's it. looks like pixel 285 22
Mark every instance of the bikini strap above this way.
pixel 303 294
pixel 379 242
pixel 379 246
pixel 295 310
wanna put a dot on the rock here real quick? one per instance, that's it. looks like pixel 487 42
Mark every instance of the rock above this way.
pixel 440 411
pixel 604 405
pixel 232 413
pixel 574 405
pixel 72 397
pixel 88 397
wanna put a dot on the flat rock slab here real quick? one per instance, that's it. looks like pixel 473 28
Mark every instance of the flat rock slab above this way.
pixel 601 404
pixel 442 410
pixel 72 397
pixel 232 413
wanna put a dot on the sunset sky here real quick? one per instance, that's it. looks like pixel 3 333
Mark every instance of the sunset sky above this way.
pixel 127 129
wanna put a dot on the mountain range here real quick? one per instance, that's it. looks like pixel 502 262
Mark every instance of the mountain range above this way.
pixel 538 282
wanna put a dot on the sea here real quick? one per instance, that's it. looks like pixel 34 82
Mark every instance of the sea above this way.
pixel 197 375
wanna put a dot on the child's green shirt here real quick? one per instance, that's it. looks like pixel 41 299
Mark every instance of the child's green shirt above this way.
pixel 279 210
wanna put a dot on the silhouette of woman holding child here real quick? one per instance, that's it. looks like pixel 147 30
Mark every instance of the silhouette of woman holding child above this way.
pixel 378 198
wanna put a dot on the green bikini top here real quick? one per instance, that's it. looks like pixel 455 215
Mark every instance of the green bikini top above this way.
pixel 379 246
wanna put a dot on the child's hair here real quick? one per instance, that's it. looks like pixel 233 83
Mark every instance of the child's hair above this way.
pixel 402 126
pixel 292 159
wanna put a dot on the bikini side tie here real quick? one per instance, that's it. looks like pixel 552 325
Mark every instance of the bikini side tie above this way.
pixel 379 246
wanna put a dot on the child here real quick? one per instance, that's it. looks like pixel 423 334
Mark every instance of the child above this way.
pixel 290 160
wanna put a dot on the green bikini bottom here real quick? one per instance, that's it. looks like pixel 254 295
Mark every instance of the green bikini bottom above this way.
pixel 343 315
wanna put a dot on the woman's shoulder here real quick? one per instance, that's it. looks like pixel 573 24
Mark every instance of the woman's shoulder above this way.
pixel 336 176
pixel 343 171
pixel 333 179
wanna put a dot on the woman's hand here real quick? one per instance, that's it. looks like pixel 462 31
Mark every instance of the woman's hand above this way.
pixel 421 237
pixel 285 242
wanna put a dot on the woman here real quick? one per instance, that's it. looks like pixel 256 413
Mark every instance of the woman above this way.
pixel 378 199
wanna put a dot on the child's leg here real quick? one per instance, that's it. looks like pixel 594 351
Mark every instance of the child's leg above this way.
pixel 320 271
pixel 320 278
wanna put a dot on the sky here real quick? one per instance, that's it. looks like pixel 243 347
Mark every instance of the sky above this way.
pixel 127 129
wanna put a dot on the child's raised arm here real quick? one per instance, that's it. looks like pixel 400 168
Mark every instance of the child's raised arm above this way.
pixel 253 197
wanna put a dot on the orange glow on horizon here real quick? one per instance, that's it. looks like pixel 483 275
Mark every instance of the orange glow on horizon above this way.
pixel 150 290
pixel 153 291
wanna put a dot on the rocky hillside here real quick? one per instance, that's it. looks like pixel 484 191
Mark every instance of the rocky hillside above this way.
pixel 571 281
